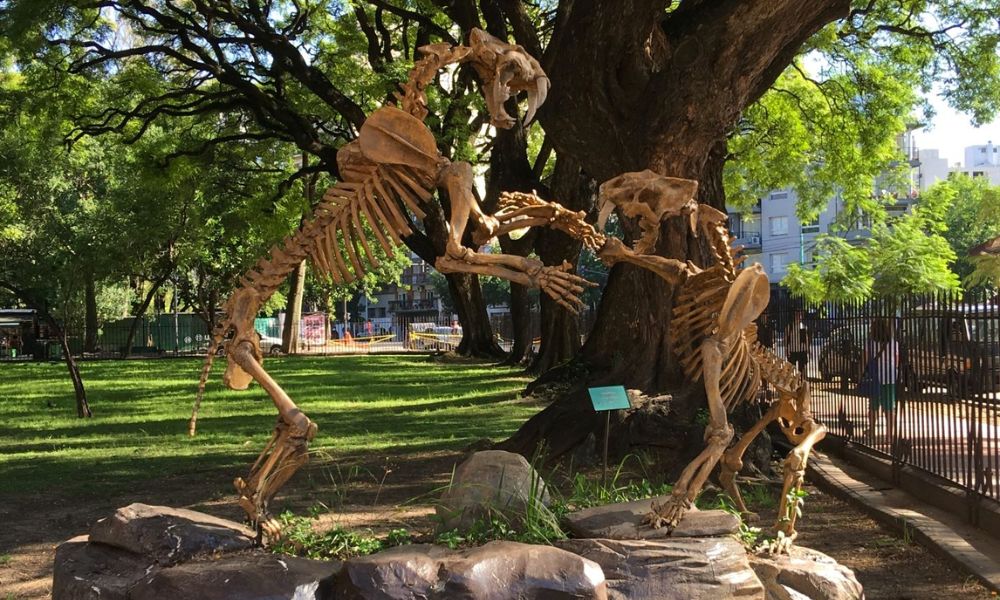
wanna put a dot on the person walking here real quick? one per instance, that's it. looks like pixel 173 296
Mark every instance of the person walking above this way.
pixel 798 340
pixel 881 360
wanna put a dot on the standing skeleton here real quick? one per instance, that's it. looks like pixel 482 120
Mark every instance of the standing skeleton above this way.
pixel 714 336
pixel 391 169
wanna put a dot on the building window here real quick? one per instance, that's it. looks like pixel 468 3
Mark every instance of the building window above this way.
pixel 778 262
pixel 779 225
pixel 779 195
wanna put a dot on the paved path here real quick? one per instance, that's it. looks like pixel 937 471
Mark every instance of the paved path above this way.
pixel 945 534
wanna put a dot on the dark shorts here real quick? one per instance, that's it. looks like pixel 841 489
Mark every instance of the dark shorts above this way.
pixel 884 398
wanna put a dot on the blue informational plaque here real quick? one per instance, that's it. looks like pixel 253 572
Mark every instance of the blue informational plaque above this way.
pixel 612 397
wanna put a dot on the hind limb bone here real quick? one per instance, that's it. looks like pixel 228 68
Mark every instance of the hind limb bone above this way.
pixel 283 455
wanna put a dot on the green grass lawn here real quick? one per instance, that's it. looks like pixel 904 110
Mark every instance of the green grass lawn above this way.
pixel 371 404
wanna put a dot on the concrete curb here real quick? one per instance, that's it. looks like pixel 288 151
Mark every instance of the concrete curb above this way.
pixel 912 520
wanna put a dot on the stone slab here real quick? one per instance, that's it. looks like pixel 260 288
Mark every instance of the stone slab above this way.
pixel 253 576
pixel 87 571
pixel 623 521
pixel 169 535
pixel 495 571
pixel 672 569
pixel 805 573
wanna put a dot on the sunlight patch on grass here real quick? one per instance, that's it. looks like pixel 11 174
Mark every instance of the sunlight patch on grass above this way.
pixel 139 431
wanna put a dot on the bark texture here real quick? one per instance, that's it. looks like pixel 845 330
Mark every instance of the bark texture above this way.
pixel 560 328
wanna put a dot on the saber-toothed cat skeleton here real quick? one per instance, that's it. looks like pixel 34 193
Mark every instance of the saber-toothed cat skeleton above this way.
pixel 715 339
pixel 393 167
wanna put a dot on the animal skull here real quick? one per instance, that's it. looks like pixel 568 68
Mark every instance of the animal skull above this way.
pixel 652 198
pixel 506 70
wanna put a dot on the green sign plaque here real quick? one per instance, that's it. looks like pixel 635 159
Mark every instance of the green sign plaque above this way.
pixel 612 397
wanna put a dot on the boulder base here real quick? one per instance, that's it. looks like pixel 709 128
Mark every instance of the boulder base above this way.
pixel 87 571
pixel 623 522
pixel 672 569
pixel 806 573
pixel 169 535
pixel 495 571
pixel 257 576
pixel 491 482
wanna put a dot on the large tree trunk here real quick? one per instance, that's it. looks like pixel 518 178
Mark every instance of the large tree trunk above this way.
pixel 520 316
pixel 90 318
pixel 561 328
pixel 510 171
pixel 634 88
pixel 477 333
pixel 466 294
pixel 293 310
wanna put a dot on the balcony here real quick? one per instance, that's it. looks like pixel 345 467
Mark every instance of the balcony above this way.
pixel 749 240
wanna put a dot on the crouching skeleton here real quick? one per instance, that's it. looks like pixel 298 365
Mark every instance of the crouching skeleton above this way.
pixel 387 174
pixel 714 335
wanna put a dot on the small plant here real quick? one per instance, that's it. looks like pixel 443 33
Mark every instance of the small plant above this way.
pixel 587 492
pixel 5 559
pixel 796 499
pixel 398 537
pixel 453 539
pixel 907 533
pixel 299 537
pixel 747 535
pixel 758 496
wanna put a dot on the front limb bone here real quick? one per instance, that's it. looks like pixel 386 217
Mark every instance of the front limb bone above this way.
pixel 718 434
pixel 561 285
pixel 284 454
pixel 519 209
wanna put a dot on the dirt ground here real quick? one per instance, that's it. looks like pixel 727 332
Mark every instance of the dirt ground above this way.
pixel 397 491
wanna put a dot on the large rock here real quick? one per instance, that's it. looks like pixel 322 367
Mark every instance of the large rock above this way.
pixel 491 482
pixel 86 571
pixel 806 573
pixel 256 576
pixel 496 571
pixel 623 521
pixel 672 569
pixel 169 535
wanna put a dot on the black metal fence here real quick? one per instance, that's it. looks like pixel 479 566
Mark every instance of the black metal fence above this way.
pixel 913 379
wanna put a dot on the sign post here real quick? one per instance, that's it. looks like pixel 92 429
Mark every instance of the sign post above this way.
pixel 607 399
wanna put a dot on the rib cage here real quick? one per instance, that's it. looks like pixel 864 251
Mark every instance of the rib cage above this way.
pixel 334 239
pixel 695 319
